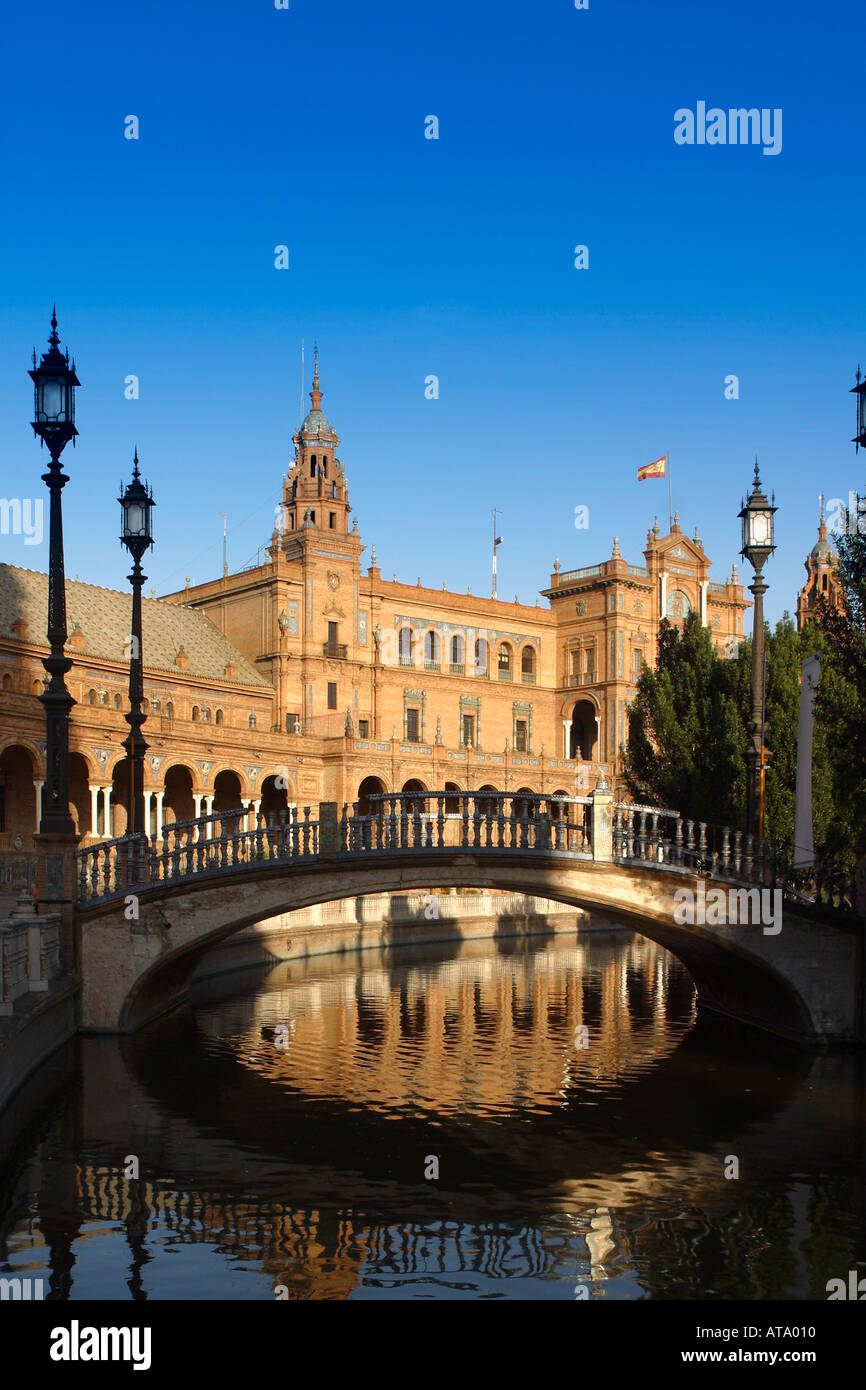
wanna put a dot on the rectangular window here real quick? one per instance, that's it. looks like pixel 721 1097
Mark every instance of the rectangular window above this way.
pixel 332 694
pixel 412 726
pixel 611 660
pixel 575 663
pixel 620 646
pixel 467 732
pixel 611 603
pixel 332 519
pixel 363 728
pixel 590 662
pixel 637 660
pixel 520 735
pixel 332 634
pixel 293 723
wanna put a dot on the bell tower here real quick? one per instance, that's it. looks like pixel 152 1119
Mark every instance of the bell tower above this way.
pixel 315 494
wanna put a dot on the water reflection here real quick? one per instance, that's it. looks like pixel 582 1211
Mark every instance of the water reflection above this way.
pixel 303 1166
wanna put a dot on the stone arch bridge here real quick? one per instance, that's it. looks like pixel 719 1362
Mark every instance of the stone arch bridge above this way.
pixel 769 955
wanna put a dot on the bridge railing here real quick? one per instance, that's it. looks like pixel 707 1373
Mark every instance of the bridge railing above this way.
pixel 655 835
pixel 469 820
pixel 587 827
pixel 193 848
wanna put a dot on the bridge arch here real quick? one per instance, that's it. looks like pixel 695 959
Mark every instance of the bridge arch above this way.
pixel 730 977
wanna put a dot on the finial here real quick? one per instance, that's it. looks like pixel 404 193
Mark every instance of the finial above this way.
pixel 616 553
pixel 676 518
pixel 656 531
pixel 54 337
pixel 821 504
pixel 556 565
pixel 135 472
pixel 373 554
pixel 315 366
pixel 757 477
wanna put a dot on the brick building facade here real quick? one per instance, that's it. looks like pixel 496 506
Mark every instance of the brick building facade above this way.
pixel 309 677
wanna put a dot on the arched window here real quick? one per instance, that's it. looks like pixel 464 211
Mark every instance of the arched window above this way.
pixel 431 651
pixel 195 714
pixel 527 664
pixel 458 654
pixel 313 466
pixel 117 702
pixel 405 646
pixel 7 681
pixel 91 697
pixel 504 662
pixel 481 656
pixel 324 465
pixel 252 721
pixel 219 716
pixel 169 709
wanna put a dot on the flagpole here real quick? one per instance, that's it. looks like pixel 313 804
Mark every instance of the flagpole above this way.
pixel 670 494
pixel 495 511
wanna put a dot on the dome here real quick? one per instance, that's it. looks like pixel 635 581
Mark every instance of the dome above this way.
pixel 317 422
pixel 822 551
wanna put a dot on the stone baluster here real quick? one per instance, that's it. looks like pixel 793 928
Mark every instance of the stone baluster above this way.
pixel 476 823
pixel 306 831
pixel 725 854
pixel 464 841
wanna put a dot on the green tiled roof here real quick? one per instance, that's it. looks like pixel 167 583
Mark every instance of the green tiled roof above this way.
pixel 104 616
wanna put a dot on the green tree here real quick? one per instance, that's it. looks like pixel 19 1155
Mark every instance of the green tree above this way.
pixel 841 703
pixel 687 736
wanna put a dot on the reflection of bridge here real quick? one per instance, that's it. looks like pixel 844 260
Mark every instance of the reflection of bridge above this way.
pixel 145 916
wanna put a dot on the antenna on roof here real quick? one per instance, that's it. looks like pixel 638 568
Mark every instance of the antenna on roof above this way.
pixel 225 559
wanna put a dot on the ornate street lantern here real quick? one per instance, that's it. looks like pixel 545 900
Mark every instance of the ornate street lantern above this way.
pixel 54 383
pixel 136 502
pixel 756 515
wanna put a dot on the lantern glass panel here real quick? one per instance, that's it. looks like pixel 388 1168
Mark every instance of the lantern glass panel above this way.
pixel 761 528
pixel 134 519
pixel 52 399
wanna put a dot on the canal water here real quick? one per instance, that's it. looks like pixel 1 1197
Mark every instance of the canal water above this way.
pixel 502 1119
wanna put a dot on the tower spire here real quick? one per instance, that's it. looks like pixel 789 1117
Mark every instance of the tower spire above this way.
pixel 316 393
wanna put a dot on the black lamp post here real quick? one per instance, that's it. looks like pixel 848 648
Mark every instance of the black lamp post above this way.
pixel 135 505
pixel 54 382
pixel 756 515
pixel 859 390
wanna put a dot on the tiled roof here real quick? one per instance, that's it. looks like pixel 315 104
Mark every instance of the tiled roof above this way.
pixel 104 616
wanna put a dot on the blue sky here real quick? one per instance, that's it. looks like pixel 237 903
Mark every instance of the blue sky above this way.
pixel 411 257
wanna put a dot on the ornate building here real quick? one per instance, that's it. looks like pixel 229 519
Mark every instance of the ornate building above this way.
pixel 310 677
pixel 822 580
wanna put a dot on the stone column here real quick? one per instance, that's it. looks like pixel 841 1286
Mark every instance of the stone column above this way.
pixel 256 803
pixel 703 585
pixel 37 786
pixel 327 827
pixel 566 727
pixel 663 597
pixel 94 810
pixel 159 797
pixel 106 797
pixel 602 822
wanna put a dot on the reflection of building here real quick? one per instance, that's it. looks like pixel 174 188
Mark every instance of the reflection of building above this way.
pixel 822 581
pixel 309 677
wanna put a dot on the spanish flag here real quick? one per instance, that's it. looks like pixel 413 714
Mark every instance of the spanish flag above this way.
pixel 653 470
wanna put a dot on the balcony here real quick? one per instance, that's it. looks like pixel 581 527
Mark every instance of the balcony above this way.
pixel 528 677
pixel 337 651
pixel 432 666
pixel 457 668
pixel 481 673
pixel 505 674
pixel 406 660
